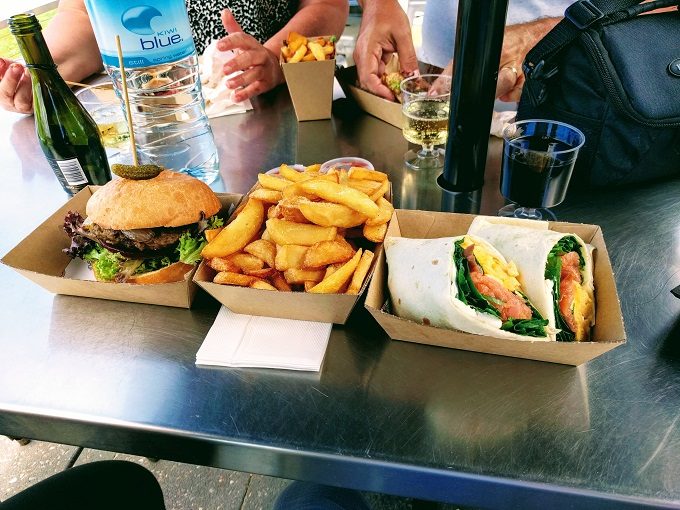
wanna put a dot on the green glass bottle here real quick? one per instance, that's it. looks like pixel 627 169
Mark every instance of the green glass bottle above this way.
pixel 66 132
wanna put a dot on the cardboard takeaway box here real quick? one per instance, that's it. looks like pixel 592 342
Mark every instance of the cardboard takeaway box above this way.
pixel 39 257
pixel 608 332
pixel 304 306
pixel 311 86
pixel 388 111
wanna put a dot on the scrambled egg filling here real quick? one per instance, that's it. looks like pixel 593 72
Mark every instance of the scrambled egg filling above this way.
pixel 506 274
pixel 583 309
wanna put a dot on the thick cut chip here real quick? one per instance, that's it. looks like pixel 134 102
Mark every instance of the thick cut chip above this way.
pixel 262 249
pixel 375 233
pixel 364 186
pixel 299 53
pixel 223 264
pixel 246 262
pixel 360 273
pixel 280 282
pixel 237 234
pixel 289 210
pixel 340 194
pixel 300 276
pixel 386 210
pixel 335 282
pixel 291 174
pixel 296 190
pixel 211 233
pixel 380 192
pixel 324 253
pixel 328 214
pixel 272 182
pixel 262 285
pixel 305 234
pixel 265 272
pixel 289 256
pixel 317 50
pixel 357 172
pixel 295 40
pixel 269 196
pixel 227 278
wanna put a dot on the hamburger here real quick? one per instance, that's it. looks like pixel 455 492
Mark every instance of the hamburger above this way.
pixel 144 231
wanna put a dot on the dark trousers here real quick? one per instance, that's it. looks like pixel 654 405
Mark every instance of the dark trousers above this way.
pixel 105 485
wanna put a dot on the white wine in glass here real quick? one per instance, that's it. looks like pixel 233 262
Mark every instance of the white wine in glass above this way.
pixel 425 107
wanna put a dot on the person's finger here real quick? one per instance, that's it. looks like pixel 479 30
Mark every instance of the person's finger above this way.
pixel 408 62
pixel 240 41
pixel 252 90
pixel 23 98
pixel 8 85
pixel 245 60
pixel 4 65
pixel 229 22
pixel 507 79
pixel 246 78
pixel 376 86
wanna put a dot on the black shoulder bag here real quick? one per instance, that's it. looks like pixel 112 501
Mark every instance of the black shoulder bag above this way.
pixel 613 72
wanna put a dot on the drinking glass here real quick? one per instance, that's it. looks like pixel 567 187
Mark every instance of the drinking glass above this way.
pixel 425 107
pixel 105 108
pixel 538 159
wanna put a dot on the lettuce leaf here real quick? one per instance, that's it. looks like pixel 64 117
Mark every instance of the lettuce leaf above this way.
pixel 105 264
pixel 190 248
pixel 553 271
pixel 215 222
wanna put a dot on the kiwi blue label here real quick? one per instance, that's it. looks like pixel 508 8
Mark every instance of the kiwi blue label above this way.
pixel 151 33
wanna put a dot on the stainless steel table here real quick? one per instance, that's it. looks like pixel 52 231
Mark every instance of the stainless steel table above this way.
pixel 394 417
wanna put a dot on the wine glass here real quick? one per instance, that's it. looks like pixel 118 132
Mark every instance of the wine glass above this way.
pixel 538 160
pixel 425 107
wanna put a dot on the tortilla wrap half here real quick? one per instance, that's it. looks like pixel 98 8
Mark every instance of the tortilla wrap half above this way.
pixel 528 245
pixel 422 284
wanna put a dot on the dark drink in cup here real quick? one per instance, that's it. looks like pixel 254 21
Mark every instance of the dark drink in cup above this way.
pixel 538 159
pixel 533 177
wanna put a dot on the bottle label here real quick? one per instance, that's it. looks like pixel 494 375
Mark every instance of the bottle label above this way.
pixel 150 34
pixel 70 174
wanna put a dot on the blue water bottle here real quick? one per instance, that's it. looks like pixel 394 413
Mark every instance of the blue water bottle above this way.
pixel 164 88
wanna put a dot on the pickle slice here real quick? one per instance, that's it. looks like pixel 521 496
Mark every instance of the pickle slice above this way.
pixel 136 172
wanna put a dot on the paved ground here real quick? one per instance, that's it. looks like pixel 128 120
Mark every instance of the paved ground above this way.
pixel 185 486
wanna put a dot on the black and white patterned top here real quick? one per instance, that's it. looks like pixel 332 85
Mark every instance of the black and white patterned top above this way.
pixel 259 18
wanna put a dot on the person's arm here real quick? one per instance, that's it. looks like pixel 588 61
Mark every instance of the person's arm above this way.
pixel 314 17
pixel 384 30
pixel 260 62
pixel 71 41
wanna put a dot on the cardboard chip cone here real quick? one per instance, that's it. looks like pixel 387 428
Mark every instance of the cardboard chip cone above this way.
pixel 311 87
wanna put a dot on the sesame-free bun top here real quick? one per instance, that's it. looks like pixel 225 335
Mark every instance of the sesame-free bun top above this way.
pixel 170 199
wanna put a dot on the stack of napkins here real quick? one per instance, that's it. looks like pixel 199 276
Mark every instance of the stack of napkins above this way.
pixel 218 97
pixel 236 340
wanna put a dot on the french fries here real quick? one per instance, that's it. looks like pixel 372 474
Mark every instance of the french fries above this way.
pixel 302 230
pixel 238 233
pixel 298 48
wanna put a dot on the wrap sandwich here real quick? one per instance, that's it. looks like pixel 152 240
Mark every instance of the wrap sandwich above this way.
pixel 460 283
pixel 556 271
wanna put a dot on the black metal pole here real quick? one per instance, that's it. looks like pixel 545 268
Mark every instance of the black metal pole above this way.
pixel 479 38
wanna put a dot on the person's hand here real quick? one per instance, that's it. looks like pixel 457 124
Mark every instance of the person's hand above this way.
pixel 384 30
pixel 15 87
pixel 261 69
pixel 517 42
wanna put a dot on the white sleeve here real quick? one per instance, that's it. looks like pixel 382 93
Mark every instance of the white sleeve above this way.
pixel 522 11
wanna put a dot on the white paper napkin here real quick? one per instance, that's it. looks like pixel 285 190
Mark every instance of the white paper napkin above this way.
pixel 218 98
pixel 500 120
pixel 236 340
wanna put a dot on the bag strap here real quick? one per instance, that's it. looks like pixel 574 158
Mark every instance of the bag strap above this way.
pixel 577 18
